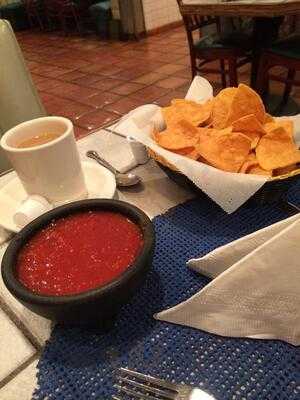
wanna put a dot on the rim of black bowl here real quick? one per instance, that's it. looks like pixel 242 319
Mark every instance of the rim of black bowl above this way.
pixel 8 266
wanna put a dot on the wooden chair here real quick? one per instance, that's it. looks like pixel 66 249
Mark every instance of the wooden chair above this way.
pixel 284 53
pixel 64 11
pixel 233 49
pixel 33 10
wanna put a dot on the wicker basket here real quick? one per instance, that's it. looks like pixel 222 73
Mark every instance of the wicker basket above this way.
pixel 271 192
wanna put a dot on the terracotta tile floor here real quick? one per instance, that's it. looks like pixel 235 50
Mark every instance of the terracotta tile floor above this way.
pixel 94 81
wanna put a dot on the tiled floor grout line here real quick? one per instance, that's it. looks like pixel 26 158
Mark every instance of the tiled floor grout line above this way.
pixel 20 325
pixel 19 369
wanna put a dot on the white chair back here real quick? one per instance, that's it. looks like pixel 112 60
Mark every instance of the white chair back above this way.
pixel 19 100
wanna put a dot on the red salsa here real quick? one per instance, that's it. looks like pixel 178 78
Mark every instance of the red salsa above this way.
pixel 78 253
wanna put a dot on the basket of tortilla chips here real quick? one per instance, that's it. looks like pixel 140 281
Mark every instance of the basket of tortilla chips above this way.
pixel 232 132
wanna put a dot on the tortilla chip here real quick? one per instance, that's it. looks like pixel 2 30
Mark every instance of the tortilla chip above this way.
pixel 207 111
pixel 185 151
pixel 173 140
pixel 268 118
pixel 222 106
pixel 223 131
pixel 250 161
pixel 206 133
pixel 251 157
pixel 202 160
pixel 246 101
pixel 270 126
pixel 253 136
pixel 248 123
pixel 251 127
pixel 287 124
pixel 251 166
pixel 194 155
pixel 257 170
pixel 179 136
pixel 190 111
pixel 277 150
pixel 189 152
pixel 226 151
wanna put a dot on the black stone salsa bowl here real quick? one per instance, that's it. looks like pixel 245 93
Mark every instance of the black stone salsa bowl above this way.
pixel 97 306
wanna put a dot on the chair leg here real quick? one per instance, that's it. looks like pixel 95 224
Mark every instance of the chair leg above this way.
pixel 40 22
pixel 218 24
pixel 63 22
pixel 193 65
pixel 288 87
pixel 232 70
pixel 223 73
pixel 31 22
pixel 262 80
pixel 77 22
pixel 47 20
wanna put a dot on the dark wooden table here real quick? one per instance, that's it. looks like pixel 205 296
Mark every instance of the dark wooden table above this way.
pixel 258 8
pixel 267 18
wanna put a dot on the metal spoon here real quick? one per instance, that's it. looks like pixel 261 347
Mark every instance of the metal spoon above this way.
pixel 123 180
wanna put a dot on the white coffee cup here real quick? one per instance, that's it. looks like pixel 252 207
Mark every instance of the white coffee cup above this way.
pixel 51 170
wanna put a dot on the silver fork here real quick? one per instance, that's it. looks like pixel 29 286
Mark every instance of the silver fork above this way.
pixel 140 386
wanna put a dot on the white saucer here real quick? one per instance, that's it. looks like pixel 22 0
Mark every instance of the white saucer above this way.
pixel 100 182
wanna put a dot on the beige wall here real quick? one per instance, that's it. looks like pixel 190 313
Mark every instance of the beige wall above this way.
pixel 157 12
pixel 114 9
pixel 160 12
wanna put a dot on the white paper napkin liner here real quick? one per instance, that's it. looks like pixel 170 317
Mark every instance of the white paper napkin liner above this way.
pixel 223 257
pixel 200 90
pixel 258 297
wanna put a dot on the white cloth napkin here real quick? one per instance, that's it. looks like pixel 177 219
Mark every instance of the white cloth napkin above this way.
pixel 106 143
pixel 255 292
pixel 31 208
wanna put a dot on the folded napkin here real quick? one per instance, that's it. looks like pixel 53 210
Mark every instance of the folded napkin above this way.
pixel 31 208
pixel 139 151
pixel 255 292
pixel 128 154
pixel 220 259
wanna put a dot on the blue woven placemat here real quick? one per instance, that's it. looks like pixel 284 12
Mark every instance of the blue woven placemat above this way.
pixel 79 363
